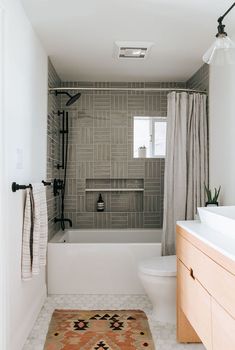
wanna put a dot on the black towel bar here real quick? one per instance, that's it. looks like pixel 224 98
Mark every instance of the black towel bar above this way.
pixel 15 187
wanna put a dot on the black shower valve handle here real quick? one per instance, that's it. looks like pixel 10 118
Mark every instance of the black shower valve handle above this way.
pixel 58 185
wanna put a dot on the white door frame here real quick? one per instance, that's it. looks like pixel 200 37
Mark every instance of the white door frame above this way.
pixel 3 198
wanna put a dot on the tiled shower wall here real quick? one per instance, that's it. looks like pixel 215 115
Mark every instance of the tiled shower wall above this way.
pixel 101 155
pixel 53 149
pixel 200 79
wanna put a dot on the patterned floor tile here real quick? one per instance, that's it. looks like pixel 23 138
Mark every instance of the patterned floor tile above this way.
pixel 164 335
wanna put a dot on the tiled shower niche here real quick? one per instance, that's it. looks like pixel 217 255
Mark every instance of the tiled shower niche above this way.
pixel 119 195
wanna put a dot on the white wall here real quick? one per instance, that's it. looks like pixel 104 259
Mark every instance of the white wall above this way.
pixel 24 133
pixel 222 131
pixel 3 245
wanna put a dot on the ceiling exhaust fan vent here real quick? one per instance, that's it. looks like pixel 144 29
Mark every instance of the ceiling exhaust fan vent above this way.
pixel 132 50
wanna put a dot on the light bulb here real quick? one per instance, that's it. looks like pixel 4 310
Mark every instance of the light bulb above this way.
pixel 221 52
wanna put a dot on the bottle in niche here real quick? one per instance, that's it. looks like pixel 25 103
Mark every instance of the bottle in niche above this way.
pixel 100 203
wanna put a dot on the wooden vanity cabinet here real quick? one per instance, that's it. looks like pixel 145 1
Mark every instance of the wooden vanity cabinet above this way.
pixel 205 294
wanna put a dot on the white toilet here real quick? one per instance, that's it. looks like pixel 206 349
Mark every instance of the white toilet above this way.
pixel 158 276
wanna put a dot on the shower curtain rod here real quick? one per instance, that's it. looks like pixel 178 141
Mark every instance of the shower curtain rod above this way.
pixel 82 88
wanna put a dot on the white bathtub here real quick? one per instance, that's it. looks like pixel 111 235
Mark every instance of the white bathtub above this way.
pixel 99 261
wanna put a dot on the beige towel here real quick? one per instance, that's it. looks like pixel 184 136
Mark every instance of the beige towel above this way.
pixel 40 232
pixel 26 268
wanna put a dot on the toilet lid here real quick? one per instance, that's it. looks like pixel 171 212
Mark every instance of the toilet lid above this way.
pixel 159 266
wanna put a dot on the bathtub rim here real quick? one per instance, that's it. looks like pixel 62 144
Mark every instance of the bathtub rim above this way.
pixel 57 238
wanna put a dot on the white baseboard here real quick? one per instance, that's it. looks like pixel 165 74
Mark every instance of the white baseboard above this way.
pixel 24 329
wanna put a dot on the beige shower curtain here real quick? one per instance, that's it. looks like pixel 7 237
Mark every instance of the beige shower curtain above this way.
pixel 186 164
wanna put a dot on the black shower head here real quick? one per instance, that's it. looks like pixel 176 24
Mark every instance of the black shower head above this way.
pixel 71 100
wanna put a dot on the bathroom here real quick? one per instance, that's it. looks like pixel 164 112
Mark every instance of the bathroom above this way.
pixel 79 116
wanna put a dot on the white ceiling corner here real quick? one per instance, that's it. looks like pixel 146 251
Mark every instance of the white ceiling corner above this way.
pixel 79 36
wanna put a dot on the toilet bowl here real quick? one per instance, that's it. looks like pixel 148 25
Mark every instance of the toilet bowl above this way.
pixel 158 276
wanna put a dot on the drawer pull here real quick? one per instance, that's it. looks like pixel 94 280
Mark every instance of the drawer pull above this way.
pixel 191 274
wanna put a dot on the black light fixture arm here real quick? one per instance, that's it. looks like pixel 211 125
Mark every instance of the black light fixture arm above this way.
pixel 221 26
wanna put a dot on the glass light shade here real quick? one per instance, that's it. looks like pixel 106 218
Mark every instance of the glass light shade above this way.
pixel 221 52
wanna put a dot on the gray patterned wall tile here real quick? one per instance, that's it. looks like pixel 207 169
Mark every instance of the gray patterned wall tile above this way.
pixel 102 220
pixel 200 80
pixel 102 84
pixel 152 203
pixel 80 186
pixel 53 150
pixel 85 136
pixel 84 118
pixel 119 135
pixel 80 205
pixel 152 186
pixel 102 169
pixel 84 152
pixel 152 220
pixel 102 151
pixel 70 204
pixel 136 102
pixel 102 119
pixel 135 202
pixel 119 102
pixel 135 169
pixel 84 220
pixel 98 183
pixel 119 202
pixel 135 183
pixel 118 169
pixel 74 136
pixel 119 119
pixel 71 153
pixel 71 187
pixel 71 170
pixel 135 220
pixel 152 169
pixel 90 204
pixel 102 135
pixel 85 101
pixel 119 152
pixel 102 101
pixel 119 220
pixel 119 183
pixel 130 151
pixel 84 170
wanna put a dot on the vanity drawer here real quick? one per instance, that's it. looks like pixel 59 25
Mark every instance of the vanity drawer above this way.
pixel 195 302
pixel 215 279
pixel 223 328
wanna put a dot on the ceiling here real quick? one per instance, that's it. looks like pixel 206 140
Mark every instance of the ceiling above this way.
pixel 79 36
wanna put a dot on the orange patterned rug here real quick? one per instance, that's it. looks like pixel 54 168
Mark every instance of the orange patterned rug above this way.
pixel 99 330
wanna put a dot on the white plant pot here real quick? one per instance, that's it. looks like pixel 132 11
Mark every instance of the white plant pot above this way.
pixel 142 152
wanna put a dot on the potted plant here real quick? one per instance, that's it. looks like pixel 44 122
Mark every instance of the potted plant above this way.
pixel 142 151
pixel 212 199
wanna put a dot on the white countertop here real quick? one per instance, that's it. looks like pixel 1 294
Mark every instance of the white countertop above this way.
pixel 223 243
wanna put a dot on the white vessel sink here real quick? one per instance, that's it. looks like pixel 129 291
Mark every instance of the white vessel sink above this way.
pixel 221 219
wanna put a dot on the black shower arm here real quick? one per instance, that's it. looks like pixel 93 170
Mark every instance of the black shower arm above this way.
pixel 62 93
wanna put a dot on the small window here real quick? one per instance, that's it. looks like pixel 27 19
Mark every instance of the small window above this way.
pixel 149 137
